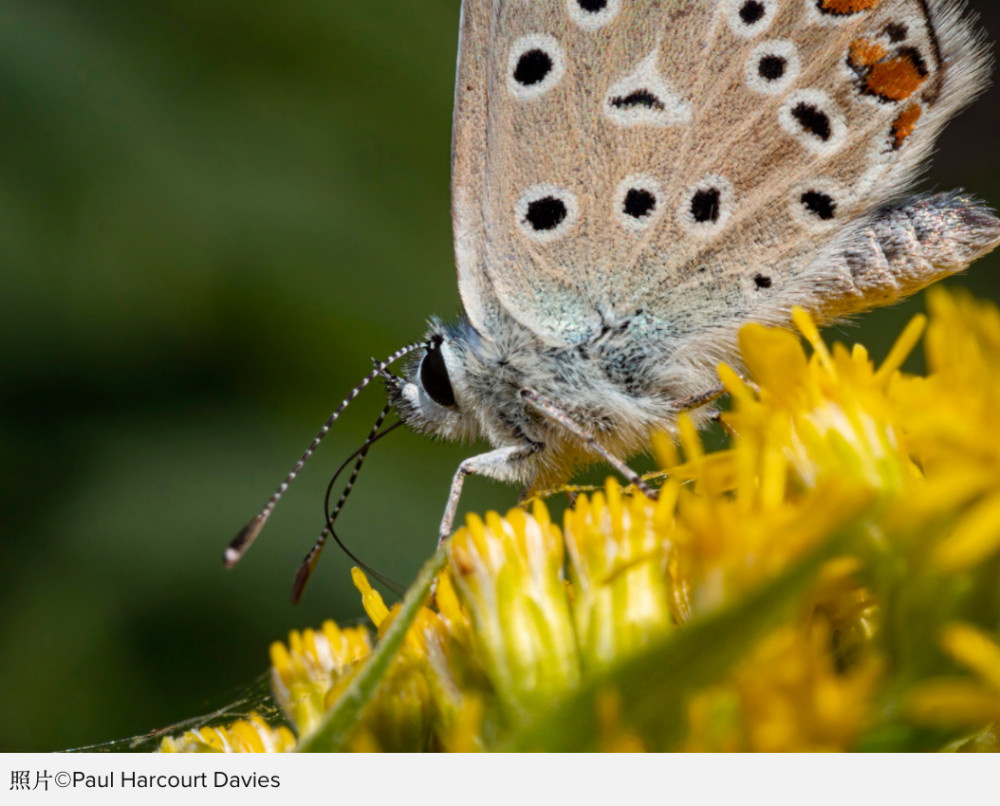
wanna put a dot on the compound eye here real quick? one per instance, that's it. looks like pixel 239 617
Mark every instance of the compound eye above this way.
pixel 434 375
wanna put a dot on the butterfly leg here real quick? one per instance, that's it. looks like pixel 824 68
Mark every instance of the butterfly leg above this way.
pixel 709 396
pixel 703 399
pixel 718 418
pixel 532 490
pixel 500 464
pixel 543 406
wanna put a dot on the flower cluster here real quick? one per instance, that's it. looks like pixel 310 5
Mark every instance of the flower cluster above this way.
pixel 830 581
pixel 251 735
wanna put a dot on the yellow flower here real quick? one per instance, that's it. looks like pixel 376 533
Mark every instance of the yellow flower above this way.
pixel 509 574
pixel 815 449
pixel 622 590
pixel 830 413
pixel 304 672
pixel 425 695
pixel 954 434
pixel 786 593
pixel 788 696
pixel 251 735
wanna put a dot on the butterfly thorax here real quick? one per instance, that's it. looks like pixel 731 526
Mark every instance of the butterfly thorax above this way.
pixel 620 387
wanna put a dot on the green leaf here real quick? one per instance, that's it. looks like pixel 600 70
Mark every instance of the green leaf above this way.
pixel 339 722
pixel 652 685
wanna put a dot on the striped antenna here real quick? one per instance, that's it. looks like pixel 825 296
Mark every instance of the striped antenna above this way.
pixel 238 547
pixel 312 558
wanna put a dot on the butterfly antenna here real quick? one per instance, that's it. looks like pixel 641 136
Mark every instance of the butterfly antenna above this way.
pixel 312 558
pixel 238 547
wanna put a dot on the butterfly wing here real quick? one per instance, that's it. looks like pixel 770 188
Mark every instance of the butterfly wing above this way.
pixel 691 164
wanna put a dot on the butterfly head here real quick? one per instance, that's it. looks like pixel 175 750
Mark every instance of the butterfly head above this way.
pixel 434 395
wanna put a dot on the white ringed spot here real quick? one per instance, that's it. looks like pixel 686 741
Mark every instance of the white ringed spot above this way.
pixel 773 67
pixel 706 206
pixel 638 202
pixel 814 119
pixel 546 212
pixel 535 65
pixel 750 18
pixel 593 14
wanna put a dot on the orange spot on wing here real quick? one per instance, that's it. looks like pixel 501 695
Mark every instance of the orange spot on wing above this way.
pixel 844 7
pixel 891 77
pixel 904 125
pixel 865 53
pixel 897 79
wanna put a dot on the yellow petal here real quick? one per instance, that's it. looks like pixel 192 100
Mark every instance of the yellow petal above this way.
pixel 952 702
pixel 803 321
pixel 665 450
pixel 902 348
pixel 370 598
pixel 975 538
pixel 973 648
pixel 774 357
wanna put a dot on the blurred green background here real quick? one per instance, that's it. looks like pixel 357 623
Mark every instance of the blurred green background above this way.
pixel 212 214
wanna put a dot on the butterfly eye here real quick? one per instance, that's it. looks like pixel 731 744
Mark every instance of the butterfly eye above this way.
pixel 434 375
pixel 707 206
pixel 638 202
pixel 592 13
pixel 772 67
pixel 813 119
pixel 535 66
pixel 751 17
pixel 546 212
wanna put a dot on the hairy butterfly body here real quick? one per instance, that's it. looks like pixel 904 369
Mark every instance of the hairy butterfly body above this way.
pixel 634 180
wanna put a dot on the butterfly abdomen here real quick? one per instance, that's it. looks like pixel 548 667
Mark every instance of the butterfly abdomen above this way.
pixel 905 249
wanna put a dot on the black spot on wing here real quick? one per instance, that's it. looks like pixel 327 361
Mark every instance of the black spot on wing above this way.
pixel 752 11
pixel 532 67
pixel 819 204
pixel 546 213
pixel 897 32
pixel 639 203
pixel 772 67
pixel 813 120
pixel 639 98
pixel 706 205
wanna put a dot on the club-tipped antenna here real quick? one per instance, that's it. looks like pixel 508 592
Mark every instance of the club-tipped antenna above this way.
pixel 238 547
pixel 312 558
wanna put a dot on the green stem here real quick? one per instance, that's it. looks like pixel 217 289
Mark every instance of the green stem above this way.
pixel 339 722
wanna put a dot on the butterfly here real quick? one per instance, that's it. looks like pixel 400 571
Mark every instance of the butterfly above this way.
pixel 635 180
